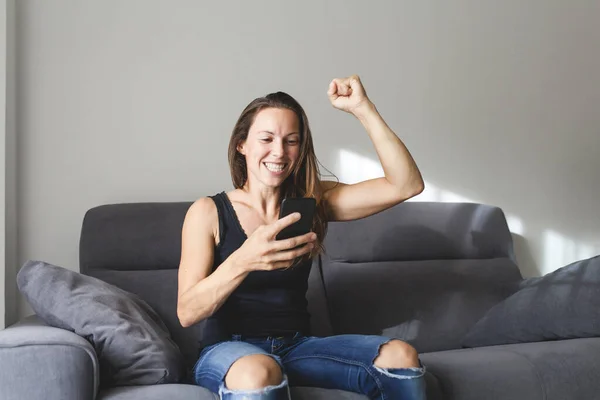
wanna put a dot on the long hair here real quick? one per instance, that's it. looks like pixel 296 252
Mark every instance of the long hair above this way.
pixel 304 181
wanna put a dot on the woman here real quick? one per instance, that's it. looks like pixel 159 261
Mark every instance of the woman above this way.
pixel 237 276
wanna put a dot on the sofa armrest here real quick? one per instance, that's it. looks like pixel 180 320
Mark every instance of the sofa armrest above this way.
pixel 42 362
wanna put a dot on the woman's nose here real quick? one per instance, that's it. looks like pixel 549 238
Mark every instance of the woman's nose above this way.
pixel 278 148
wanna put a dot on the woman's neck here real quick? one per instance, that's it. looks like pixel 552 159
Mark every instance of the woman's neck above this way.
pixel 265 200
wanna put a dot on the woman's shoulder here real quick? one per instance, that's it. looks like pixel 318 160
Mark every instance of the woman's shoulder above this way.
pixel 203 213
pixel 203 205
pixel 209 203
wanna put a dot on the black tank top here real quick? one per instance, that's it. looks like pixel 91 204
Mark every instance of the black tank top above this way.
pixel 266 303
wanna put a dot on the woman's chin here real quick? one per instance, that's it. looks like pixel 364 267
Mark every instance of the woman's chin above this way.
pixel 274 181
pixel 273 175
pixel 269 179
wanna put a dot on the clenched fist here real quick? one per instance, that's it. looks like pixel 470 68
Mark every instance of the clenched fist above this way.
pixel 348 94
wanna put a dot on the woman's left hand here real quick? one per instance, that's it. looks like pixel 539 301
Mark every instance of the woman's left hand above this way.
pixel 348 94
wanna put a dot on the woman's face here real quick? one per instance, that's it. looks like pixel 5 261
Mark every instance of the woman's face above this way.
pixel 272 147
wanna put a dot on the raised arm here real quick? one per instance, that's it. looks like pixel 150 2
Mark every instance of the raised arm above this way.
pixel 402 176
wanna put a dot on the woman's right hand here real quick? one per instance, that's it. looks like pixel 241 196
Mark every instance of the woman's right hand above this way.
pixel 261 252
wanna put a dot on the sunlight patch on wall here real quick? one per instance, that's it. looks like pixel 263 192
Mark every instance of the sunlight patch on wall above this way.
pixel 355 168
pixel 515 224
pixel 560 251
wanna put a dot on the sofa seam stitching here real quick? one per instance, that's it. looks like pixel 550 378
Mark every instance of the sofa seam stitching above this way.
pixel 535 370
pixel 92 355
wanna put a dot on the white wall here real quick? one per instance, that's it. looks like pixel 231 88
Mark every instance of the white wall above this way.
pixel 124 101
pixel 2 161
pixel 8 225
pixel 10 164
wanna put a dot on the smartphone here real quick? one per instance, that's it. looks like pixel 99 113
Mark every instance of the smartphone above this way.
pixel 306 207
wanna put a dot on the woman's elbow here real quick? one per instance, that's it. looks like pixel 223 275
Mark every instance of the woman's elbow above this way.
pixel 412 189
pixel 189 317
pixel 418 187
pixel 183 317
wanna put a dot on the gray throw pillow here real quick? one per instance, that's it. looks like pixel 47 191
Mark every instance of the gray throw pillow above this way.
pixel 132 343
pixel 564 304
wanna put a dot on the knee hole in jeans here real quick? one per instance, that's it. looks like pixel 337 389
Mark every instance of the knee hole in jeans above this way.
pixel 255 371
pixel 397 354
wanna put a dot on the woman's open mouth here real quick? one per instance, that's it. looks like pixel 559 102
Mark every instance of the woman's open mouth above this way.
pixel 276 168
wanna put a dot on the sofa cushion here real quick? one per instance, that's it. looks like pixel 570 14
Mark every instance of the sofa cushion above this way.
pixel 421 272
pixel 557 370
pixel 158 288
pixel 430 304
pixel 187 392
pixel 132 343
pixel 564 304
pixel 30 349
pixel 170 392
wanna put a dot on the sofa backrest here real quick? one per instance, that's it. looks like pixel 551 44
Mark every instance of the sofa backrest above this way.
pixel 416 271
pixel 137 247
pixel 423 272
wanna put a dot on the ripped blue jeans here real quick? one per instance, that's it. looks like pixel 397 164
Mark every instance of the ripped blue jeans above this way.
pixel 343 362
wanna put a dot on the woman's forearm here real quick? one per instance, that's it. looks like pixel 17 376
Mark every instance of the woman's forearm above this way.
pixel 208 295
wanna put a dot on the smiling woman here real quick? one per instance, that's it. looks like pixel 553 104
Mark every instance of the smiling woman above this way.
pixel 267 143
pixel 272 143
pixel 238 277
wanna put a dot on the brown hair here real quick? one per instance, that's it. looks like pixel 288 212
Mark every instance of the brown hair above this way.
pixel 304 181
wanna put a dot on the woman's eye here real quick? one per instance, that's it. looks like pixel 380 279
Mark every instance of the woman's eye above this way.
pixel 293 142
pixel 265 140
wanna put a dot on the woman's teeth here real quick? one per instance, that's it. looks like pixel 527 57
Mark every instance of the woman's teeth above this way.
pixel 275 167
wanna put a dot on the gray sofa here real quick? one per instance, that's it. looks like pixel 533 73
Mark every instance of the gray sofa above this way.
pixel 422 272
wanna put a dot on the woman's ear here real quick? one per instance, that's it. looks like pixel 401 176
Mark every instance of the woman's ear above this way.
pixel 240 148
